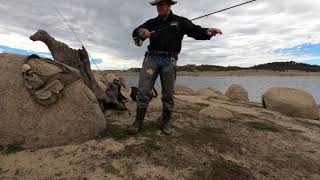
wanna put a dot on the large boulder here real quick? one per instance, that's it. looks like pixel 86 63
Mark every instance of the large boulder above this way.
pixel 292 102
pixel 183 90
pixel 238 93
pixel 211 93
pixel 75 117
pixel 217 113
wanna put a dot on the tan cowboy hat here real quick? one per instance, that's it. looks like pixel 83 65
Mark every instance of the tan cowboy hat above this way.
pixel 155 2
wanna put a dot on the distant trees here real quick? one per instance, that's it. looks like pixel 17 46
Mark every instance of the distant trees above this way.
pixel 194 68
pixel 285 66
pixel 274 66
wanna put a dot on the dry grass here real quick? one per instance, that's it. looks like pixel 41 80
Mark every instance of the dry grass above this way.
pixel 263 126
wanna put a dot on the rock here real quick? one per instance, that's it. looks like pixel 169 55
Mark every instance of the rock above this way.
pixel 111 76
pixel 75 117
pixel 103 80
pixel 292 102
pixel 216 113
pixel 183 90
pixel 155 105
pixel 211 93
pixel 100 80
pixel 237 92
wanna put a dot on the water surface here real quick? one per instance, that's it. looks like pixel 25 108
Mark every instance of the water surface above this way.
pixel 255 85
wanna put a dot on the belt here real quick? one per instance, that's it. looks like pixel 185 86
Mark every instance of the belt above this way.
pixel 162 54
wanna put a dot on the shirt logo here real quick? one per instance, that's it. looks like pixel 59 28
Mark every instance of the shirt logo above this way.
pixel 174 23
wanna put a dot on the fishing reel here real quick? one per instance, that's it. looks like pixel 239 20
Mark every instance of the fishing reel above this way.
pixel 138 41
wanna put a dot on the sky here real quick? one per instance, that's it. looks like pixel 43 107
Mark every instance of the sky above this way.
pixel 261 32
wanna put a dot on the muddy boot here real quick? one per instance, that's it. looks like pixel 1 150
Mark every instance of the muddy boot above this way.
pixel 137 125
pixel 165 123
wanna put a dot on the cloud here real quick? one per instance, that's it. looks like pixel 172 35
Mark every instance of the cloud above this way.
pixel 252 33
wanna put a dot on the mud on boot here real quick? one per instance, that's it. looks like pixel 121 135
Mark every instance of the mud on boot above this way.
pixel 137 125
pixel 165 123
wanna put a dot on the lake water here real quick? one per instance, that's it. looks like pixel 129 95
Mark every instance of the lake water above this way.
pixel 256 86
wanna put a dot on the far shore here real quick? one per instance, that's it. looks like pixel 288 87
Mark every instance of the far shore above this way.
pixel 239 73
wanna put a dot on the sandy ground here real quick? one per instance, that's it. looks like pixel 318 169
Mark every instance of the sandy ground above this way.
pixel 234 73
pixel 255 144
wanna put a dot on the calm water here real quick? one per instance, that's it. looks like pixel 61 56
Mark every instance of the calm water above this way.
pixel 256 86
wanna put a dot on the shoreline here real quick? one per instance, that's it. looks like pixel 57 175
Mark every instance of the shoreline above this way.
pixel 239 73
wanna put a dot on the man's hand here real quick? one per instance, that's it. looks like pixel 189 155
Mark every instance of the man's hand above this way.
pixel 213 31
pixel 145 33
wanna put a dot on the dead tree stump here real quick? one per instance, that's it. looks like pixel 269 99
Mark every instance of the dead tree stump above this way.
pixel 76 58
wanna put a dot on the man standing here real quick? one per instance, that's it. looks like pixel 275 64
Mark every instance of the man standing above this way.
pixel 161 57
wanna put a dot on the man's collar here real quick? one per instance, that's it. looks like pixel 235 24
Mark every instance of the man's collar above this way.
pixel 168 17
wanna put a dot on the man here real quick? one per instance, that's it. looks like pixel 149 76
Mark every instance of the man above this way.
pixel 161 57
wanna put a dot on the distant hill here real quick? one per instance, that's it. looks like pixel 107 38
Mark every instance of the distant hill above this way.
pixel 204 67
pixel 274 66
pixel 285 66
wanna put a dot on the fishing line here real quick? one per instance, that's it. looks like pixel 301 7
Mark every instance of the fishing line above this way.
pixel 206 15
pixel 74 33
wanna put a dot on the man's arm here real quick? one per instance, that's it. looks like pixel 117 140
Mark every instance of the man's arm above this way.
pixel 197 32
pixel 142 32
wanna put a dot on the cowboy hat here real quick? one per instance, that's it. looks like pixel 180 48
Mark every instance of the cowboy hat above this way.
pixel 155 2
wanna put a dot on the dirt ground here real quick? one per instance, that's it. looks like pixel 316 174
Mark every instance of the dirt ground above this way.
pixel 255 144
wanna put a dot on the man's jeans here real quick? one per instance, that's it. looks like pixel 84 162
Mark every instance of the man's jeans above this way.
pixel 152 66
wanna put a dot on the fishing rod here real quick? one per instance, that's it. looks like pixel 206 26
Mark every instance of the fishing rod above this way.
pixel 74 33
pixel 206 15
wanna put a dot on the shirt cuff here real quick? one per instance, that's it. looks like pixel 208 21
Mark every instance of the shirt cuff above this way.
pixel 140 31
pixel 206 34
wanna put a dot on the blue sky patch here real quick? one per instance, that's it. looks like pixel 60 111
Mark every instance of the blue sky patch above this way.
pixel 313 61
pixel 7 49
pixel 97 61
pixel 304 49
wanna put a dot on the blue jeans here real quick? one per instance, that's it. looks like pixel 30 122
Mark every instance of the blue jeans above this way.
pixel 151 68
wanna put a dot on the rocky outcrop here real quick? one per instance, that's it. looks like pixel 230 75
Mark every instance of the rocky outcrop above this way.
pixel 292 102
pixel 238 93
pixel 183 90
pixel 75 117
pixel 211 93
pixel 217 113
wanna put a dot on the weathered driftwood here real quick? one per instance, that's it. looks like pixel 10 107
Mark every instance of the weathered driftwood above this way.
pixel 78 59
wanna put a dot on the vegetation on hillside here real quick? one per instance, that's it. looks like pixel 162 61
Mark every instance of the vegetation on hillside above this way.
pixel 274 66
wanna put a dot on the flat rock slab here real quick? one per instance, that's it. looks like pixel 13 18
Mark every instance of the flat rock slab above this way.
pixel 211 93
pixel 183 90
pixel 216 113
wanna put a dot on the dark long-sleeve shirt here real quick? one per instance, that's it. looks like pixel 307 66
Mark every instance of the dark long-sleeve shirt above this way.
pixel 170 40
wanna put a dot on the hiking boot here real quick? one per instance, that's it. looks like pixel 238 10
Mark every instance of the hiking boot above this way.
pixel 137 125
pixel 165 123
